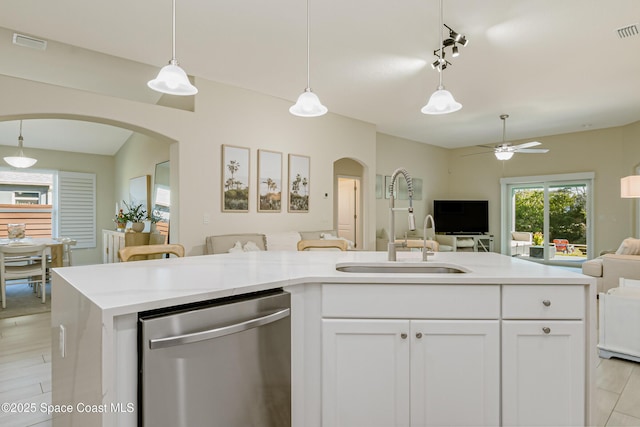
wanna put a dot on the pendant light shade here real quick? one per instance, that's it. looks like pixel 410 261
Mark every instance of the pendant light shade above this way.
pixel 441 101
pixel 630 187
pixel 19 160
pixel 172 79
pixel 308 103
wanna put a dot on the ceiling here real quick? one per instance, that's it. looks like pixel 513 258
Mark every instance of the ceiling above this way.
pixel 554 66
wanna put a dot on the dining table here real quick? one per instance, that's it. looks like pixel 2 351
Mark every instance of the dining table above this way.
pixel 54 246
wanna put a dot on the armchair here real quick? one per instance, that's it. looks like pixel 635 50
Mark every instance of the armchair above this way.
pixel 609 268
pixel 620 321
pixel 521 241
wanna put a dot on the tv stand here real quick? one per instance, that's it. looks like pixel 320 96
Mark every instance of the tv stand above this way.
pixel 467 242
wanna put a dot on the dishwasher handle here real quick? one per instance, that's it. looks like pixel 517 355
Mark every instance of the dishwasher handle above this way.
pixel 158 343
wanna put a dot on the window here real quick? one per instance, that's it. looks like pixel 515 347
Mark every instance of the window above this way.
pixel 50 203
pixel 557 208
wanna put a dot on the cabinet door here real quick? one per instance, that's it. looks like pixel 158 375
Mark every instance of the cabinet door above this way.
pixel 365 373
pixel 543 380
pixel 455 373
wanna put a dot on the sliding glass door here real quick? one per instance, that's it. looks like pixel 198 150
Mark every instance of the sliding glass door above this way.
pixel 546 218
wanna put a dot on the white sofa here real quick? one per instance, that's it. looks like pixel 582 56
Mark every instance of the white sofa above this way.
pixel 609 268
pixel 521 241
pixel 286 240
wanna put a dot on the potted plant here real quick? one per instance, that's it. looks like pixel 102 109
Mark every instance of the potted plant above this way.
pixel 538 239
pixel 120 220
pixel 154 218
pixel 135 215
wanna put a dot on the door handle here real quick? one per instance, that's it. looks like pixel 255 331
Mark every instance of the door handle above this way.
pixel 194 337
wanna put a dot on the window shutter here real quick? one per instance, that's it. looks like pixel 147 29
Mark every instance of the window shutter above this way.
pixel 77 207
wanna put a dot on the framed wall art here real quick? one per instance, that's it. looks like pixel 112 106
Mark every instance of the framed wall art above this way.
pixel 299 183
pixel 235 179
pixel 139 191
pixel 269 181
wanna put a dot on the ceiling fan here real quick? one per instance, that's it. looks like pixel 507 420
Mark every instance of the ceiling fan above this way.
pixel 505 150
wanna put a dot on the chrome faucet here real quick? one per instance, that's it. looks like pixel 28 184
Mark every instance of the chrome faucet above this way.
pixel 412 220
pixel 425 252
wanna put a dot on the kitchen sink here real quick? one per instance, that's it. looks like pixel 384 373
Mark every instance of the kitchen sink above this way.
pixel 399 267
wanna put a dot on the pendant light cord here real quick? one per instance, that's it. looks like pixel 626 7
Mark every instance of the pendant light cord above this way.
pixel 308 48
pixel 20 139
pixel 441 49
pixel 173 33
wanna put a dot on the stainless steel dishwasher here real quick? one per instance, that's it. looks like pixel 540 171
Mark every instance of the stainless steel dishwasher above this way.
pixel 226 363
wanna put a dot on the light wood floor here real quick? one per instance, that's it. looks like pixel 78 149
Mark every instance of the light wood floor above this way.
pixel 25 376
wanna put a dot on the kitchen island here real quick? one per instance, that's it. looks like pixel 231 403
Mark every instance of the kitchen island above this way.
pixel 95 309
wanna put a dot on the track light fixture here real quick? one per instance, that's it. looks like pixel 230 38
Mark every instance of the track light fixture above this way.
pixel 453 41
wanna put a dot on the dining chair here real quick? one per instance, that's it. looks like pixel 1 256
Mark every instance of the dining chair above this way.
pixel 23 262
pixel 305 245
pixel 137 253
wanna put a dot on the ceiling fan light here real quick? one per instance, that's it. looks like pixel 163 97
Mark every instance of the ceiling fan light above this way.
pixel 308 105
pixel 172 80
pixel 441 102
pixel 504 155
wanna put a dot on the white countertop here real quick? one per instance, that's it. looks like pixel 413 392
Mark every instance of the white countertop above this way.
pixel 143 285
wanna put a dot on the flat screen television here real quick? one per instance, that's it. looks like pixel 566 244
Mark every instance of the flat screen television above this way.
pixel 461 216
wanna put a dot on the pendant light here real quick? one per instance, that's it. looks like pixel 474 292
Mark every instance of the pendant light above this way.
pixel 172 79
pixel 20 161
pixel 441 101
pixel 308 103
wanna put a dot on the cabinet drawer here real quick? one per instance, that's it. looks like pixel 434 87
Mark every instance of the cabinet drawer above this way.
pixel 406 301
pixel 542 302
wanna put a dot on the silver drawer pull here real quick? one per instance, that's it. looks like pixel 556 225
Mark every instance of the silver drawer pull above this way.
pixel 546 330
pixel 419 335
pixel 546 303
pixel 403 336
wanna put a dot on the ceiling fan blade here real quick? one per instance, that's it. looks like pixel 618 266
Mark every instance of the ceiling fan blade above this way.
pixel 475 154
pixel 532 150
pixel 527 144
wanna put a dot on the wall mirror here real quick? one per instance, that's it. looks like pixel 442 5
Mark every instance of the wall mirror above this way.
pixel 162 196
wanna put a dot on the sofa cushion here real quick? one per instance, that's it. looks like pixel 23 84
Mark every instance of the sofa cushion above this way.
pixel 222 243
pixel 521 236
pixel 593 267
pixel 629 246
pixel 282 241
pixel 315 235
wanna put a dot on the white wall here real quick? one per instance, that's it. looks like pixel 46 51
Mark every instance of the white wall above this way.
pixel 223 115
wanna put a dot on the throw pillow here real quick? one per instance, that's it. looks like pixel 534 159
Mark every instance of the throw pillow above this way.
pixel 629 246
pixel 251 247
pixel 236 248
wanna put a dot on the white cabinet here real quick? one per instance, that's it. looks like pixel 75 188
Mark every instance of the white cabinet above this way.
pixel 112 241
pixel 543 361
pixel 365 373
pixel 395 371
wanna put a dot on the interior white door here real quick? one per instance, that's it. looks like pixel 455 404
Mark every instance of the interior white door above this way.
pixel 348 207
pixel 543 365
pixel 365 373
pixel 455 373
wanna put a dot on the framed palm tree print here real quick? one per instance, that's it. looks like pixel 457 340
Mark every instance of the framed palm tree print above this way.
pixel 269 181
pixel 235 179
pixel 299 183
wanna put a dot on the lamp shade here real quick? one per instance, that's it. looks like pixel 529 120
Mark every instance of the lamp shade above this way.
pixel 504 155
pixel 630 186
pixel 20 161
pixel 441 102
pixel 172 80
pixel 308 105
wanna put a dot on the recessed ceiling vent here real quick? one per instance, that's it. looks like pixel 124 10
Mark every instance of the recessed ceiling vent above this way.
pixel 28 41
pixel 628 31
